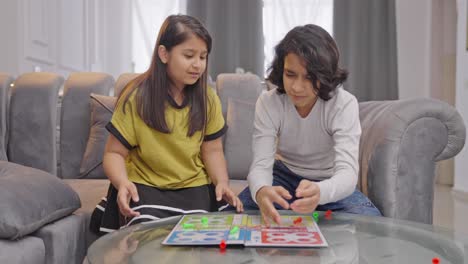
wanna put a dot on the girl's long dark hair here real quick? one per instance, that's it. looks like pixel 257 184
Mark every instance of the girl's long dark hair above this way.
pixel 152 86
pixel 319 51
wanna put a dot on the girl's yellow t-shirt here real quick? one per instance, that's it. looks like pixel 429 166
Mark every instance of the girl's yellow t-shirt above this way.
pixel 166 161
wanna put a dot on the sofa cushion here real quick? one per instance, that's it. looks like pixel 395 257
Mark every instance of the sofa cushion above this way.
pixel 31 198
pixel 24 251
pixel 65 239
pixel 102 108
pixel 238 143
pixel 90 191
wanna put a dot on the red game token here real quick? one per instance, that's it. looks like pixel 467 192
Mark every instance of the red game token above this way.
pixel 297 220
pixel 435 261
pixel 328 214
pixel 222 245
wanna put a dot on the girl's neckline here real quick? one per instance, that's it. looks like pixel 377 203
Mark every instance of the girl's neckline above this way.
pixel 174 104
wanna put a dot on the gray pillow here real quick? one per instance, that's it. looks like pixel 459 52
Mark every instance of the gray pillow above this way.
pixel 102 108
pixel 31 198
pixel 238 143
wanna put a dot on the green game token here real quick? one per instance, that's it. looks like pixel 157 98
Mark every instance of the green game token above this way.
pixel 187 225
pixel 234 230
pixel 315 215
pixel 204 220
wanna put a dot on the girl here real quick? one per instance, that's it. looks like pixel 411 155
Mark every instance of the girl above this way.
pixel 164 152
pixel 306 133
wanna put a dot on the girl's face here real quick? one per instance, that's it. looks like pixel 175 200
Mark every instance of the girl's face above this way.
pixel 186 62
pixel 298 84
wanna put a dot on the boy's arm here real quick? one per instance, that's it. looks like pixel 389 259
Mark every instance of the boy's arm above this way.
pixel 260 178
pixel 346 132
pixel 266 127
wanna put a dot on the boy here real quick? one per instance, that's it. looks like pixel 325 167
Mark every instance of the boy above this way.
pixel 306 133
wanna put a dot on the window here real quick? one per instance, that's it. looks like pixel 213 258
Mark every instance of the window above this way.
pixel 280 16
pixel 147 18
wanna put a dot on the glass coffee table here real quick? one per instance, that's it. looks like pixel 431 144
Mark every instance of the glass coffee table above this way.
pixel 351 239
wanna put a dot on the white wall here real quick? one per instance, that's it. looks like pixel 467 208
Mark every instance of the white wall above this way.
pixel 426 39
pixel 65 36
pixel 9 36
pixel 413 46
pixel 461 161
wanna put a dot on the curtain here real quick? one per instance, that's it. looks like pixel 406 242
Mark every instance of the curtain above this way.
pixel 365 31
pixel 236 29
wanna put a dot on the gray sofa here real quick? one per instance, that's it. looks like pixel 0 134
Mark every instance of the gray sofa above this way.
pixel 401 143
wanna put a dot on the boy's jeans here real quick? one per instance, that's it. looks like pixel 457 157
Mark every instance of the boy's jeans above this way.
pixel 356 203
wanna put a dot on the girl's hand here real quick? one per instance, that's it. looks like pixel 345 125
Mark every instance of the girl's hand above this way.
pixel 127 190
pixel 224 192
pixel 308 194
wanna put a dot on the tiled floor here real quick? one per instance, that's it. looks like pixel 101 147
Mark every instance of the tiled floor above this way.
pixel 450 209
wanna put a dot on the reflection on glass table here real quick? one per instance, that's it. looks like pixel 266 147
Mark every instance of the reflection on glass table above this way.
pixel 351 239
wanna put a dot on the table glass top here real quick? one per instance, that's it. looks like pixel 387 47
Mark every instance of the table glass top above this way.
pixel 351 239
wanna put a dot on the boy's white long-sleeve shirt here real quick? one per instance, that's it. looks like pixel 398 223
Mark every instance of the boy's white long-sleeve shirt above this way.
pixel 323 147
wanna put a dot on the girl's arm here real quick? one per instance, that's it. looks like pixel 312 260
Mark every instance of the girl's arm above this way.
pixel 215 164
pixel 114 167
pixel 114 161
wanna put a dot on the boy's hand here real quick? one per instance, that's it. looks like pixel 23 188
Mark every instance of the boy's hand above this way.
pixel 268 195
pixel 127 190
pixel 224 192
pixel 308 194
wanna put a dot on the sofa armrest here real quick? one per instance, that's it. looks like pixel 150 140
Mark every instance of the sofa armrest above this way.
pixel 400 144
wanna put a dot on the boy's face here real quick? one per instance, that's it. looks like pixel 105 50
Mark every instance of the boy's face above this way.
pixel 298 84
pixel 186 62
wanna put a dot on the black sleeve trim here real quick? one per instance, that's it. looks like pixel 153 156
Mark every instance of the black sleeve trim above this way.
pixel 216 135
pixel 111 128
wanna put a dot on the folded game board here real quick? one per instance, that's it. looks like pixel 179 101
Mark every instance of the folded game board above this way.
pixel 247 230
